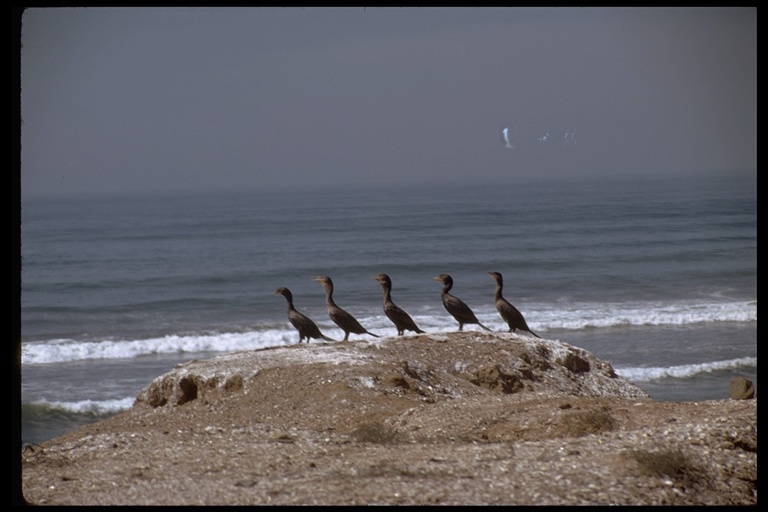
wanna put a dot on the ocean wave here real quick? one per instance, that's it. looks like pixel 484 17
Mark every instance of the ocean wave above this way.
pixel 83 407
pixel 540 318
pixel 58 351
pixel 684 371
pixel 581 316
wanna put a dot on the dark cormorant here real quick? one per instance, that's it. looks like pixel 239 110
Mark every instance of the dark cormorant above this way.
pixel 344 320
pixel 400 318
pixel 306 327
pixel 508 312
pixel 456 306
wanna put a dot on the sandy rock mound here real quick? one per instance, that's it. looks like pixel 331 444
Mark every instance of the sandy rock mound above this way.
pixel 455 418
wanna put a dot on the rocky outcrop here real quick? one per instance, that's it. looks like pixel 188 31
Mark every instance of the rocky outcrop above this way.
pixel 433 366
pixel 454 419
pixel 741 389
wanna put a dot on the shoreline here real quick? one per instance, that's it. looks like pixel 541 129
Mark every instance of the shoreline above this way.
pixel 459 418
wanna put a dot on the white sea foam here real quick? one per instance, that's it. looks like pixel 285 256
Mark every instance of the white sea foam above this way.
pixel 580 316
pixel 95 407
pixel 683 371
pixel 543 317
pixel 540 319
pixel 69 350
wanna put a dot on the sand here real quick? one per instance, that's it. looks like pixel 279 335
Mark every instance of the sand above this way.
pixel 450 419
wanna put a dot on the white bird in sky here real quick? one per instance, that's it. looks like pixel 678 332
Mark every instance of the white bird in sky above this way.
pixel 505 131
pixel 569 139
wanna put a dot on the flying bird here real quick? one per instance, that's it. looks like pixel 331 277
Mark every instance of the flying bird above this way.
pixel 569 139
pixel 344 320
pixel 505 132
pixel 455 306
pixel 306 327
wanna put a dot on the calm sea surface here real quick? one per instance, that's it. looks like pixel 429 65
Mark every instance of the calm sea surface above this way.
pixel 657 275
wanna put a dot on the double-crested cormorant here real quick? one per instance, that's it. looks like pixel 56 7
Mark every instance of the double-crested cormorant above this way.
pixel 400 318
pixel 456 306
pixel 306 327
pixel 344 320
pixel 508 312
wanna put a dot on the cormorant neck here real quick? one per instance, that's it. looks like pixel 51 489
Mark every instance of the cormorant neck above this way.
pixel 498 295
pixel 328 293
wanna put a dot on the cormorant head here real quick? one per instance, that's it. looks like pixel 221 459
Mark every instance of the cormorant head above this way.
pixel 445 279
pixel 496 276
pixel 383 280
pixel 285 292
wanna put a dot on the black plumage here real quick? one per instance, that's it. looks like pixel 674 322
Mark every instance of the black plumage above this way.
pixel 344 320
pixel 403 322
pixel 508 312
pixel 306 327
pixel 455 306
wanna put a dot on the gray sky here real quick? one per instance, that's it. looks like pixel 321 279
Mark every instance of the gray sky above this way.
pixel 143 99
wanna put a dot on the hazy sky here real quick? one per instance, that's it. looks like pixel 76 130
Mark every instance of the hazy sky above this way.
pixel 140 99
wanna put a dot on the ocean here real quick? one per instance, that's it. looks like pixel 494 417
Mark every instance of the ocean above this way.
pixel 655 274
